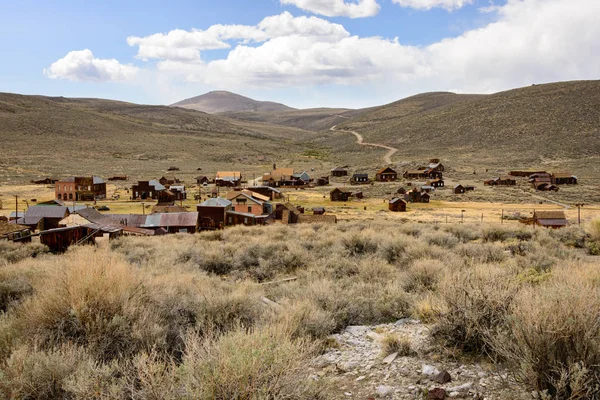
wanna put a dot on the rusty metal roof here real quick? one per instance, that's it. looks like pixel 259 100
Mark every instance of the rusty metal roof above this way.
pixel 549 215
pixel 386 169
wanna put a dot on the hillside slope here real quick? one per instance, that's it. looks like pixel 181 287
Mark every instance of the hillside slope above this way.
pixel 44 136
pixel 539 125
pixel 223 101
pixel 313 119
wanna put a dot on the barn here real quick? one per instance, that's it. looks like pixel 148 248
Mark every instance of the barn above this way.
pixel 397 205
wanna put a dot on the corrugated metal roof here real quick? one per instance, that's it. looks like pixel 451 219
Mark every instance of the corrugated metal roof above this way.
pixel 396 200
pixel 157 185
pixel 552 222
pixel 171 219
pixel 47 212
pixel 387 170
pixel 247 215
pixel 97 180
pixel 14 214
pixel 215 202
pixel 361 175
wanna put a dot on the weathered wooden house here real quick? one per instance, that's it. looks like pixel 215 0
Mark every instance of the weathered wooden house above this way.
pixel 118 178
pixel 360 178
pixel 248 219
pixel 427 189
pixel 340 194
pixel 416 174
pixel 357 194
pixel 172 168
pixel 46 181
pixel 339 171
pixel 436 183
pixel 147 190
pixel 318 210
pixel 80 188
pixel 397 205
pixel 271 193
pixel 179 192
pixel 459 189
pixel 301 176
pixel 287 213
pixel 250 203
pixel 228 178
pixel 43 217
pixel 425 197
pixel 211 213
pixel 564 178
pixel 386 175
pixel 58 240
pixel 14 232
pixel 201 180
pixel 323 181
pixel 525 174
pixel 401 191
pixel 169 180
pixel 548 219
pixel 469 188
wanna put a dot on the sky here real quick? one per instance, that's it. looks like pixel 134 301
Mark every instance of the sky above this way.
pixel 303 53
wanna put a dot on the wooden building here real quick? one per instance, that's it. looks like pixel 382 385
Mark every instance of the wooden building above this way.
pixel 271 193
pixel 397 205
pixel 401 191
pixel 340 194
pixel 524 173
pixel 287 213
pixel 201 180
pixel 436 183
pixel 248 219
pixel 14 232
pixel 415 174
pixel 323 181
pixel 80 188
pixel 459 189
pixel 45 181
pixel 564 178
pixel 147 190
pixel 548 219
pixel 360 178
pixel 249 203
pixel 169 180
pixel 182 222
pixel 386 175
pixel 211 213
pixel 118 178
pixel 318 210
pixel 43 217
pixel 339 171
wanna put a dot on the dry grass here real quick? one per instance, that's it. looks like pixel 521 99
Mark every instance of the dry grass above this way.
pixel 183 316
pixel 395 343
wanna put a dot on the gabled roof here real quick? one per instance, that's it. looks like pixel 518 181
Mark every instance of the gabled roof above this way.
pixel 15 214
pixel 157 185
pixel 360 175
pixel 433 165
pixel 215 202
pixel 549 215
pixel 397 200
pixel 339 169
pixel 343 190
pixel 386 170
pixel 415 172
pixel 247 215
pixel 459 185
pixel 96 180
pixel 563 175
pixel 246 196
pixel 233 194
pixel 47 212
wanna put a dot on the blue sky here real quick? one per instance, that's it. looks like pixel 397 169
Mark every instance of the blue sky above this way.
pixel 306 53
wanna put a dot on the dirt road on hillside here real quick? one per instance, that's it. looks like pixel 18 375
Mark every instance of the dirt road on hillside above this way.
pixel 387 158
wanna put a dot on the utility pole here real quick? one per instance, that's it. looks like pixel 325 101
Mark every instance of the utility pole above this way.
pixel 143 209
pixel 17 207
pixel 579 205
pixel 502 217
pixel 462 216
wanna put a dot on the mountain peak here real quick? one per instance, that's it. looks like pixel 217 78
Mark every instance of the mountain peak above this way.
pixel 219 101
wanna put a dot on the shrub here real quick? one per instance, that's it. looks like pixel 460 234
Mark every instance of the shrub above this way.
pixel 482 252
pixel 474 302
pixel 32 373
pixel 441 239
pixel 465 233
pixel 359 244
pixel 395 343
pixel 555 349
pixel 423 275
pixel 13 287
pixel 263 363
pixel 14 252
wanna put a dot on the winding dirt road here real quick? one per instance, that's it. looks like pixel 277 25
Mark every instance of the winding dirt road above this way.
pixel 387 158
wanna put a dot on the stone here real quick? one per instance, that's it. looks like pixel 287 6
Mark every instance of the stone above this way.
pixel 373 336
pixel 356 330
pixel 360 378
pixel 390 359
pixel 454 394
pixel 436 394
pixel 443 377
pixel 461 388
pixel 383 391
pixel 429 370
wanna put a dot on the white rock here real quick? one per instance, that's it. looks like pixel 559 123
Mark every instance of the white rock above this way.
pixel 454 394
pixel 360 378
pixel 461 388
pixel 383 391
pixel 348 394
pixel 429 370
pixel 390 359
pixel 375 337
pixel 356 330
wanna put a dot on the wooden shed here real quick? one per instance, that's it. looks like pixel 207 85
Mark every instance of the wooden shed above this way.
pixel 397 205
pixel 339 194
pixel 459 189
pixel 386 175
pixel 339 171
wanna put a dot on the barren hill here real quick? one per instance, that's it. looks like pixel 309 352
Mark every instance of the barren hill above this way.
pixel 223 101
pixel 44 136
pixel 544 125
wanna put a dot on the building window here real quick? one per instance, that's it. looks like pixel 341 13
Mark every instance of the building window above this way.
pixel 70 196
pixel 58 196
pixel 249 209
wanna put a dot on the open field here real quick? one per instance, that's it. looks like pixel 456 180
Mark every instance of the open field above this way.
pixel 216 315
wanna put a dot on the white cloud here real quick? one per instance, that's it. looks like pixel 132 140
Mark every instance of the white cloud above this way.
pixel 83 66
pixel 337 8
pixel 180 45
pixel 429 4
pixel 531 41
